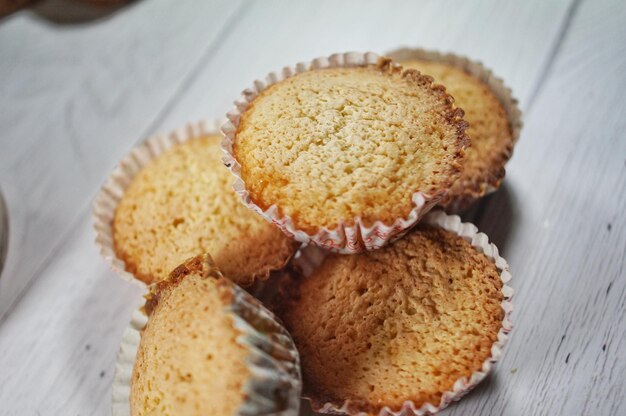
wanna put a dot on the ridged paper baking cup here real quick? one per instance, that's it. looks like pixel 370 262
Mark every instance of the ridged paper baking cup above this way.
pixel 309 258
pixel 113 189
pixel 504 96
pixel 344 238
pixel 273 360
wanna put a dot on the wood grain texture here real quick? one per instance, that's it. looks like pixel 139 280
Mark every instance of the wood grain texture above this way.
pixel 58 346
pixel 74 99
pixel 250 50
pixel 559 220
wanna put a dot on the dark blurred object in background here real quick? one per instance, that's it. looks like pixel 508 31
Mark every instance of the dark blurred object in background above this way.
pixel 64 11
pixel 104 2
pixel 9 6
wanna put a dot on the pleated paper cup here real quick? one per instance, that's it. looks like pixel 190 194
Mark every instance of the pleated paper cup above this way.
pixel 346 238
pixel 310 258
pixel 112 191
pixel 483 186
pixel 274 385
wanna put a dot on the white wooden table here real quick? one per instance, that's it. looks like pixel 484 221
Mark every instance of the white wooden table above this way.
pixel 74 98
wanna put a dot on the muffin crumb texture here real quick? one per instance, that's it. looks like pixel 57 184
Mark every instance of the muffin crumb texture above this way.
pixel 189 362
pixel 182 204
pixel 489 131
pixel 329 145
pixel 401 323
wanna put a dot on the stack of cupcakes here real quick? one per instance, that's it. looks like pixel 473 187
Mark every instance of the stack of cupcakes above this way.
pixel 383 305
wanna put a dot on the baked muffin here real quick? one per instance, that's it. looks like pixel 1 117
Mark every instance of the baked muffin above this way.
pixel 209 348
pixel 492 114
pixel 400 324
pixel 330 146
pixel 182 204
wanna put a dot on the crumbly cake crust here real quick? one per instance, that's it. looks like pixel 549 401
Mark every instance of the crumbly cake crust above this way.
pixel 182 204
pixel 202 265
pixel 401 323
pixel 492 113
pixel 329 145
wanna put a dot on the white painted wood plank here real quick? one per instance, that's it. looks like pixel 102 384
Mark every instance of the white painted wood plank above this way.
pixel 73 99
pixel 561 223
pixel 513 39
pixel 58 347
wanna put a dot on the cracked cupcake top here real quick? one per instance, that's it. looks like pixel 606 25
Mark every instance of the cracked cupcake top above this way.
pixel 329 145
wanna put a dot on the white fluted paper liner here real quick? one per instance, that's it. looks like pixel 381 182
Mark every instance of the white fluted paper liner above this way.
pixel 344 238
pixel 309 258
pixel 496 86
pixel 113 189
pixel 273 360
pixel 125 363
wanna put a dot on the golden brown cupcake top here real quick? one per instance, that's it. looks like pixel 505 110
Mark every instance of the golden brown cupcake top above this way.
pixel 329 145
pixel 189 361
pixel 400 323
pixel 489 131
pixel 182 204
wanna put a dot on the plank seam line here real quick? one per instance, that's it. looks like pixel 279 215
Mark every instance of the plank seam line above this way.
pixel 167 107
pixel 205 58
pixel 554 52
pixel 543 74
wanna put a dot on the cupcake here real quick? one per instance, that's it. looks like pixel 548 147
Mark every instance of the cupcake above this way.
pixel 492 113
pixel 207 348
pixel 180 203
pixel 346 152
pixel 402 330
